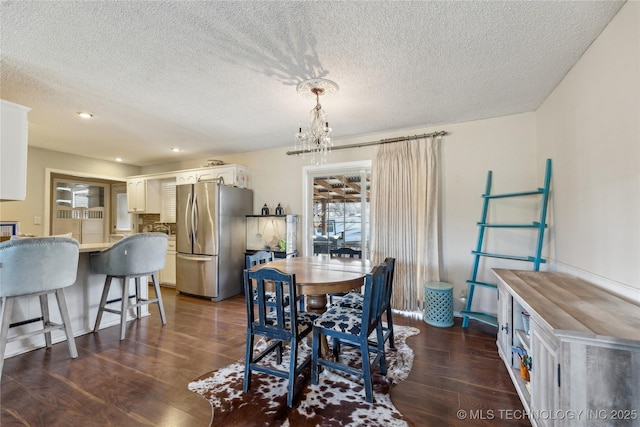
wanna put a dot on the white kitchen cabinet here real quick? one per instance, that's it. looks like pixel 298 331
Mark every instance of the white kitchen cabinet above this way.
pixel 584 343
pixel 143 195
pixel 186 177
pixel 168 274
pixel 235 175
pixel 13 151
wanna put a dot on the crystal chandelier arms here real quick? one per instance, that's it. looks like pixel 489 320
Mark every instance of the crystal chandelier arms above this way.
pixel 317 139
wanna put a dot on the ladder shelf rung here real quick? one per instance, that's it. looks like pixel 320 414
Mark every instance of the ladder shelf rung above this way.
pixel 489 319
pixel 485 284
pixel 513 257
pixel 522 193
pixel 532 225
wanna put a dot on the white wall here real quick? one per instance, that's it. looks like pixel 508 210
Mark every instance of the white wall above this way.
pixel 37 161
pixel 590 126
pixel 505 144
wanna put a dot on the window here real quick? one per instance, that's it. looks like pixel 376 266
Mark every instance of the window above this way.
pixel 121 217
pixel 168 210
pixel 337 207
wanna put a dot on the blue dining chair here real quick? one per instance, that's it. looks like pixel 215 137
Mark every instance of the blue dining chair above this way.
pixel 343 253
pixel 356 300
pixel 263 257
pixel 37 266
pixel 277 322
pixel 352 327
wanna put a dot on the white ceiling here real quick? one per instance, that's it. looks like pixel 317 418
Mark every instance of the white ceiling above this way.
pixel 215 78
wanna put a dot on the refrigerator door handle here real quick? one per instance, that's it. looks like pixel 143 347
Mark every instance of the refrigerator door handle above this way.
pixel 187 219
pixel 194 217
pixel 201 258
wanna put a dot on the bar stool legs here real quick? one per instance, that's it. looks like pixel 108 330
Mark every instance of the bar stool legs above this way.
pixel 6 308
pixel 125 303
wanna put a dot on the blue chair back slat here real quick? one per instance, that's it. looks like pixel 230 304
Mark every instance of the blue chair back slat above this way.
pixel 260 257
pixel 388 287
pixel 386 301
pixel 373 293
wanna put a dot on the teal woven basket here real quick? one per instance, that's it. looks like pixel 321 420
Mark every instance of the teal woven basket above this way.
pixel 438 309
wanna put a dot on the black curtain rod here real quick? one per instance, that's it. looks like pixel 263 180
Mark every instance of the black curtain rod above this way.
pixel 382 141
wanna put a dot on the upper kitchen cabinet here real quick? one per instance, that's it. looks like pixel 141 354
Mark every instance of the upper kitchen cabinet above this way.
pixel 13 151
pixel 143 195
pixel 235 175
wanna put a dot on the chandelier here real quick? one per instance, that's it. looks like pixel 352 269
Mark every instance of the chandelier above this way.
pixel 316 141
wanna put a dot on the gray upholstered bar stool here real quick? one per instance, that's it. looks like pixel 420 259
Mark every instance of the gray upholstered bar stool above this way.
pixel 133 257
pixel 37 267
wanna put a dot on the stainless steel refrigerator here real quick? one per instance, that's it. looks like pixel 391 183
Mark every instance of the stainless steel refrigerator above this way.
pixel 210 239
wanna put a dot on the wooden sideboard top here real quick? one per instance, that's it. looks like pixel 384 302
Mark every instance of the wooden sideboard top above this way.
pixel 572 306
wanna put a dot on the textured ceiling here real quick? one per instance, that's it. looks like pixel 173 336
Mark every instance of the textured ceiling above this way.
pixel 220 77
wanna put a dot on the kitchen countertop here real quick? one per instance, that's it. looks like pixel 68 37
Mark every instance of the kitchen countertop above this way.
pixel 94 247
pixel 97 247
pixel 171 236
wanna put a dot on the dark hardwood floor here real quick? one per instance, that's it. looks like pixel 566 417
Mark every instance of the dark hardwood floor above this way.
pixel 143 379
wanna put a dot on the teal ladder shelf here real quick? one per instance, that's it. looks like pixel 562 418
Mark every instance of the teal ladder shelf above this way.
pixel 478 254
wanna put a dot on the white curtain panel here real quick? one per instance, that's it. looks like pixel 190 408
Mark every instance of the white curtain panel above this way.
pixel 405 216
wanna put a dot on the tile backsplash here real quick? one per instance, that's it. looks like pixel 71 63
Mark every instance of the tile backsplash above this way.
pixel 151 222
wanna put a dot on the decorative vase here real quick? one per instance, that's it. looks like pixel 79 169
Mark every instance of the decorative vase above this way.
pixel 526 322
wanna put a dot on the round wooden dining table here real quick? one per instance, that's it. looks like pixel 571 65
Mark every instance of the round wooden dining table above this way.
pixel 319 275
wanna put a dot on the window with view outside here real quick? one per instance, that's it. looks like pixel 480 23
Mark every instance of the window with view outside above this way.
pixel 341 212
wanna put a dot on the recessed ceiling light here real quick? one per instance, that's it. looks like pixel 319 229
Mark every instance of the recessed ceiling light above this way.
pixel 84 115
pixel 175 149
pixel 118 159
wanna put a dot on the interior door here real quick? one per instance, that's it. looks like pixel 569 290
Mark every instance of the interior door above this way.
pixel 67 220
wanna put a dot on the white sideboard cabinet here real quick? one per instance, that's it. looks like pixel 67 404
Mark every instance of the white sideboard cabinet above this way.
pixel 584 345
pixel 231 174
pixel 13 151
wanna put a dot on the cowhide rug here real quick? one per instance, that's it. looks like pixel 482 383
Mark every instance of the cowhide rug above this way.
pixel 336 401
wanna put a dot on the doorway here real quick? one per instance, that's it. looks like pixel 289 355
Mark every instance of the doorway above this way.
pixel 336 204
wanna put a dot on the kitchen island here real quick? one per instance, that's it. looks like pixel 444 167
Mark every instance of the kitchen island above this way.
pixel 83 298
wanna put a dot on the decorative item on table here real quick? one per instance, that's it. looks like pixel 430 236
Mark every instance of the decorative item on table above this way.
pixel 526 321
pixel 525 362
pixel 279 210
pixel 265 209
